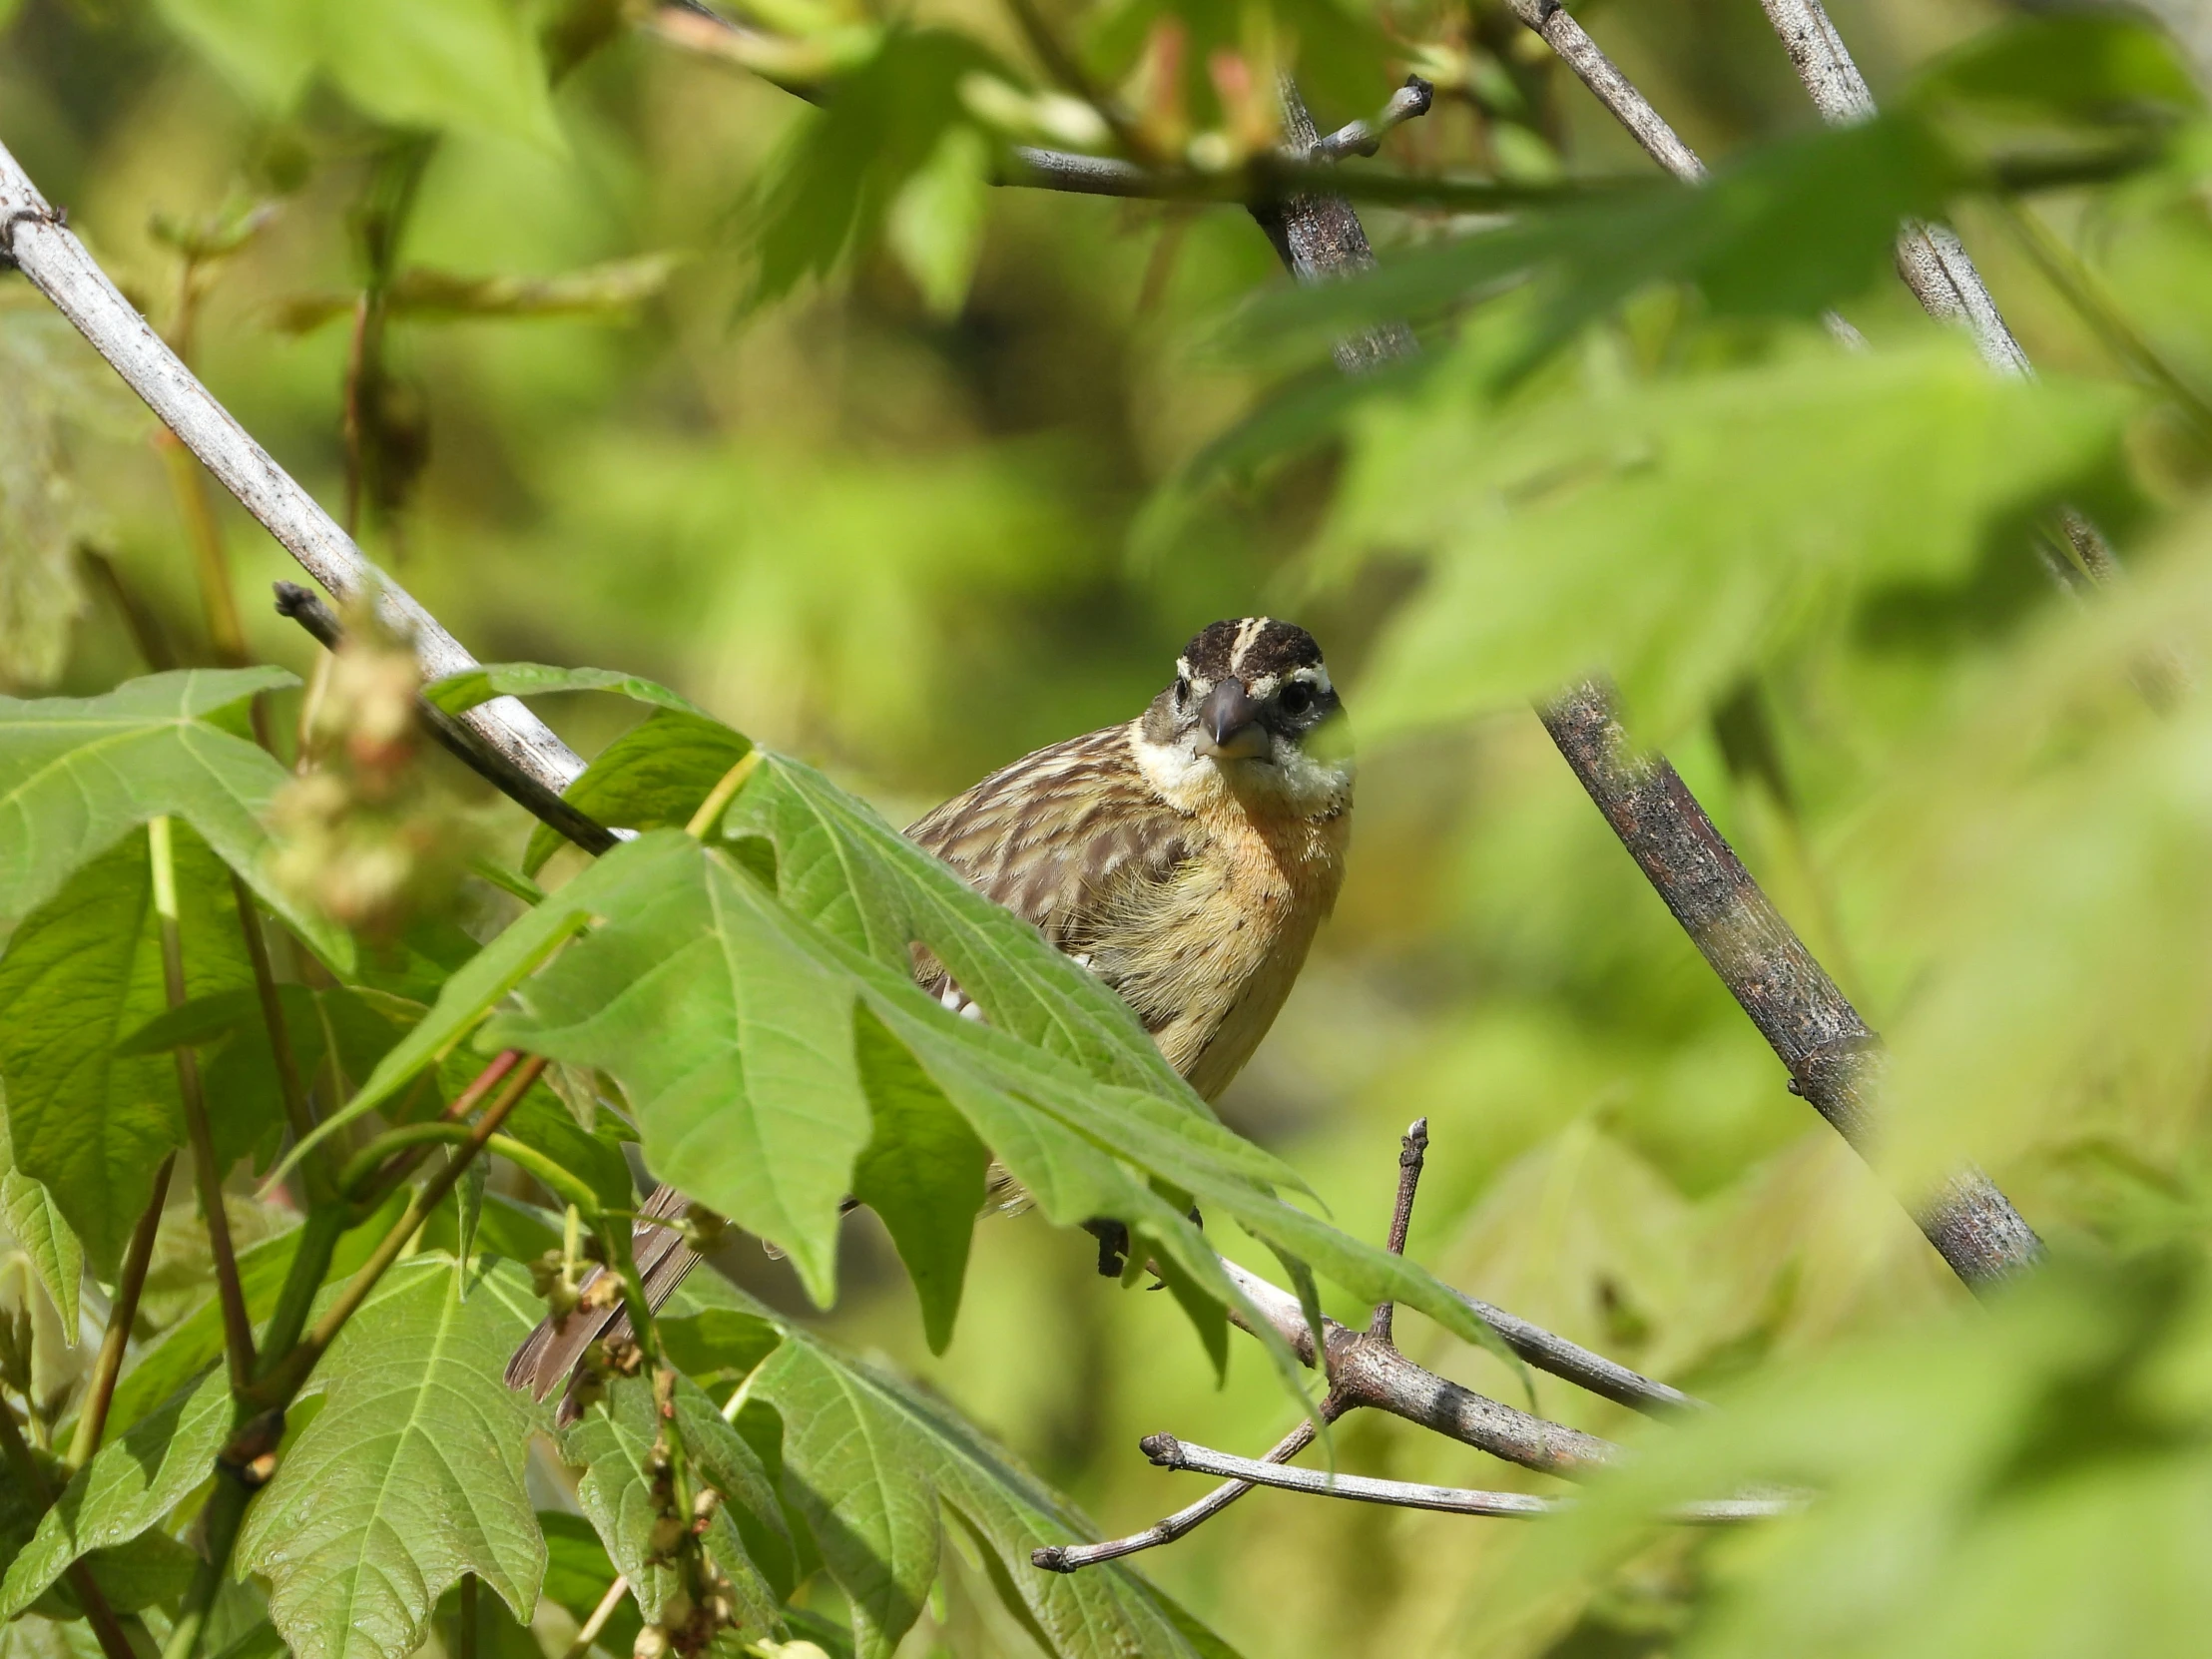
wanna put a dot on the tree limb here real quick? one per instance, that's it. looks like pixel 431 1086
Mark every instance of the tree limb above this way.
pixel 37 240
pixel 1832 1056
pixel 1171 1453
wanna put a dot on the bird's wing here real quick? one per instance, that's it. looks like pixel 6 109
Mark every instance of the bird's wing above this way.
pixel 1064 839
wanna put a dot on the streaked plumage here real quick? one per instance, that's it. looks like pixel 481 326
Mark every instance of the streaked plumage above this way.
pixel 1186 857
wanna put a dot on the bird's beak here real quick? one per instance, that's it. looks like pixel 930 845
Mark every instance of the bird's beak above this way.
pixel 1229 723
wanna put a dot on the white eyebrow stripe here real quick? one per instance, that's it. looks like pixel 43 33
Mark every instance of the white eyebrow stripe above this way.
pixel 1248 632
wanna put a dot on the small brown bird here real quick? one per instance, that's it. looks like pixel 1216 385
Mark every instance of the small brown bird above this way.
pixel 1185 856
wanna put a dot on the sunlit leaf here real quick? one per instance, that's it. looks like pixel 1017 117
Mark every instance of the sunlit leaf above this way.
pixel 410 1474
pixel 79 973
pixel 654 775
pixel 1684 533
pixel 872 1459
pixel 77 772
pixel 134 1481
pixel 35 1222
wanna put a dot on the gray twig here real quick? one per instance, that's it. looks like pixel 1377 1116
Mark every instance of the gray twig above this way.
pixel 1412 1149
pixel 1364 1369
pixel 1930 258
pixel 1364 137
pixel 458 738
pixel 1075 1558
pixel 1551 20
pixel 38 241
pixel 1833 1059
pixel 1171 1453
pixel 1558 29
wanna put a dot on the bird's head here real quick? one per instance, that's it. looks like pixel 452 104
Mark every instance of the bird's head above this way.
pixel 1252 703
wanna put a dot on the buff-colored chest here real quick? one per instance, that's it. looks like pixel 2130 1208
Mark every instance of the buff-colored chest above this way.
pixel 1208 959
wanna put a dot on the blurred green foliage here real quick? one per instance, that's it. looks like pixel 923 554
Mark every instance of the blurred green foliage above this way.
pixel 854 451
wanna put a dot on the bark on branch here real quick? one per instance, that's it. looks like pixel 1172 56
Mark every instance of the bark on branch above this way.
pixel 1171 1453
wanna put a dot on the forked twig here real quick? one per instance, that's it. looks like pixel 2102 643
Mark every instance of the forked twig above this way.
pixel 1171 1453
pixel 1365 1370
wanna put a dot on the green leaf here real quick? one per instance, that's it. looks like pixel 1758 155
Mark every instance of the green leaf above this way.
pixel 411 1474
pixel 467 994
pixel 1793 228
pixel 129 1486
pixel 923 1172
pixel 871 1460
pixel 2080 65
pixel 832 186
pixel 473 65
pixel 761 1559
pixel 195 1342
pixel 459 693
pixel 936 225
pixel 90 1124
pixel 654 775
pixel 699 994
pixel 268 48
pixel 716 1341
pixel 1685 533
pixel 34 1220
pixel 77 772
pixel 612 1442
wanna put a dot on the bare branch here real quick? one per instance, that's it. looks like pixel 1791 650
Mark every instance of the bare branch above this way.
pixel 36 239
pixel 1833 1057
pixel 1574 1364
pixel 1413 1148
pixel 459 740
pixel 1831 1053
pixel 107 1368
pixel 1171 1453
pixel 1364 137
pixel 1551 20
pixel 1075 1558
pixel 1930 258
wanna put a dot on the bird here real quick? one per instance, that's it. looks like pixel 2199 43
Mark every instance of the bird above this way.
pixel 1185 856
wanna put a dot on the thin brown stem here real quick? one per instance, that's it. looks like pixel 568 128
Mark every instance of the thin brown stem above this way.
pixel 114 1644
pixel 349 419
pixel 107 1368
pixel 284 1379
pixel 237 1327
pixel 404 1165
pixel 1413 1147
pixel 296 1111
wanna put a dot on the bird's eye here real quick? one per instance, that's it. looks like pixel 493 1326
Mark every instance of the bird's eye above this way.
pixel 1295 699
pixel 1182 690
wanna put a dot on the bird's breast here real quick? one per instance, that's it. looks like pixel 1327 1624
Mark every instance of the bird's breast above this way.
pixel 1209 957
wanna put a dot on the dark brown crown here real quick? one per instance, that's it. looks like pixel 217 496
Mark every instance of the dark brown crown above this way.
pixel 1250 648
